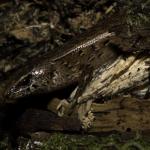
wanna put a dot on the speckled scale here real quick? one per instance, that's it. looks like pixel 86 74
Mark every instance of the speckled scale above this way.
pixel 52 73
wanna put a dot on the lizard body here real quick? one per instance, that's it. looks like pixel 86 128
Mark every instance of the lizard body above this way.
pixel 87 60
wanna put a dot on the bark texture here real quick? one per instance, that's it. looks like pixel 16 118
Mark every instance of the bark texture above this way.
pixel 120 115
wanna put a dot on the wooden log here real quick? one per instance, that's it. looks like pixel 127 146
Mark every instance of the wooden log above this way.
pixel 40 120
pixel 120 115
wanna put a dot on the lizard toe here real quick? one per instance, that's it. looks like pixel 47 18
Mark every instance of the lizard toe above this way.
pixel 61 108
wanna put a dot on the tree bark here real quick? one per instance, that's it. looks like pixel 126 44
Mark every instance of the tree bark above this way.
pixel 120 114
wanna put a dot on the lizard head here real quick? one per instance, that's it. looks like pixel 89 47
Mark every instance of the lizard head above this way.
pixel 28 84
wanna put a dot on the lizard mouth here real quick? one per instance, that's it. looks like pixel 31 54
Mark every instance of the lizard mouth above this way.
pixel 15 93
pixel 20 88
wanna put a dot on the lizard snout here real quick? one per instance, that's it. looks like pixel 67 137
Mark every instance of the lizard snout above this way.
pixel 19 88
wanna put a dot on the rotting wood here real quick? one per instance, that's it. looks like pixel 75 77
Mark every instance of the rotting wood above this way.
pixel 120 115
pixel 34 120
pixel 125 114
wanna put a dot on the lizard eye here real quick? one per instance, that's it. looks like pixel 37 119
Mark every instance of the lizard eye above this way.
pixel 25 81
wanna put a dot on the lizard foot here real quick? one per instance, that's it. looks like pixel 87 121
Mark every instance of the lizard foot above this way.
pixel 62 107
pixel 87 120
pixel 85 114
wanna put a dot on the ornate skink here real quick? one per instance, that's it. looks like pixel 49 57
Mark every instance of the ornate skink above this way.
pixel 98 48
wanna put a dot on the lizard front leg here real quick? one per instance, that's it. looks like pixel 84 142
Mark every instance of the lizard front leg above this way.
pixel 83 110
pixel 84 79
pixel 67 107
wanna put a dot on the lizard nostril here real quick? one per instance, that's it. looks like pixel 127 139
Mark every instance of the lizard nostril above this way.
pixel 9 92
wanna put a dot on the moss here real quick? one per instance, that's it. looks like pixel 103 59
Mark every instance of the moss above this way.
pixel 89 142
pixel 67 142
pixel 60 141
pixel 4 144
